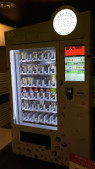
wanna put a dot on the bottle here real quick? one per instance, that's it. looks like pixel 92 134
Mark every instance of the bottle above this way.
pixel 24 93
pixel 47 94
pixel 53 93
pixel 31 93
pixel 36 93
pixel 42 93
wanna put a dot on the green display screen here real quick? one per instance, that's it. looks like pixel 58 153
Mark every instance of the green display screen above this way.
pixel 75 68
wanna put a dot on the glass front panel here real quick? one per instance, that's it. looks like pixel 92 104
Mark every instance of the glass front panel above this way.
pixel 36 87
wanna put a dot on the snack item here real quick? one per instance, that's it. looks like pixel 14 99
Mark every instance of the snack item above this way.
pixel 29 57
pixel 29 80
pixel 31 92
pixel 29 68
pixel 41 105
pixel 47 94
pixel 40 55
pixel 25 104
pixel 23 69
pixel 35 55
pixel 42 92
pixel 24 92
pixel 36 91
pixel 46 55
pixel 40 69
pixel 47 68
pixel 31 105
pixel 53 93
pixel 47 106
pixel 52 68
pixel 53 107
pixel 24 81
pixel 53 80
pixel 47 81
pixel 23 55
pixel 36 105
pixel 52 55
pixel 35 82
pixel 35 69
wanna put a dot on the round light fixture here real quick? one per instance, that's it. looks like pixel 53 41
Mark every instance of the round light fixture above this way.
pixel 65 21
pixel 7 4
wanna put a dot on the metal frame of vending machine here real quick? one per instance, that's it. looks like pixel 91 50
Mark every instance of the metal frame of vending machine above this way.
pixel 50 87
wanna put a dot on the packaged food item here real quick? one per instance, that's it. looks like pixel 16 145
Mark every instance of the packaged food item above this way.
pixel 40 69
pixel 36 93
pixel 24 81
pixel 47 94
pixel 47 69
pixel 25 105
pixel 41 93
pixel 24 93
pixel 52 68
pixel 40 55
pixel 42 106
pixel 47 81
pixel 31 105
pixel 23 69
pixel 36 105
pixel 29 80
pixel 29 68
pixel 35 82
pixel 41 82
pixel 29 57
pixel 35 54
pixel 52 55
pixel 47 106
pixel 53 107
pixel 35 69
pixel 53 80
pixel 46 55
pixel 53 93
pixel 23 55
pixel 30 92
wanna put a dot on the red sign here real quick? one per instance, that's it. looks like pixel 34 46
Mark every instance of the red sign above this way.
pixel 75 50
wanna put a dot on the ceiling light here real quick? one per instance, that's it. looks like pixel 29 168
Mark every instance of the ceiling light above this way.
pixel 6 4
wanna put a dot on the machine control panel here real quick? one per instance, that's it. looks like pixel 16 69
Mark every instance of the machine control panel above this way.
pixel 69 93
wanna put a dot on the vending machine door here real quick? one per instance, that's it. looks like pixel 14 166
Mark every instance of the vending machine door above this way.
pixel 34 85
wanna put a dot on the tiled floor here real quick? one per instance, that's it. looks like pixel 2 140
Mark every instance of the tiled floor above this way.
pixel 5 138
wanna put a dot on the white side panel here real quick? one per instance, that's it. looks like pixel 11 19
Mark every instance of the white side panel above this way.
pixel 14 87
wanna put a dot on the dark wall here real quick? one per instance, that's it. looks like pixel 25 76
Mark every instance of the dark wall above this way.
pixel 3 59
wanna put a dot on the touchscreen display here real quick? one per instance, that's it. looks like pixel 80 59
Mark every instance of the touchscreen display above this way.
pixel 75 68
pixel 75 63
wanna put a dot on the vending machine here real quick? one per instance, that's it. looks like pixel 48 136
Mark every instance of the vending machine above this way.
pixel 49 67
